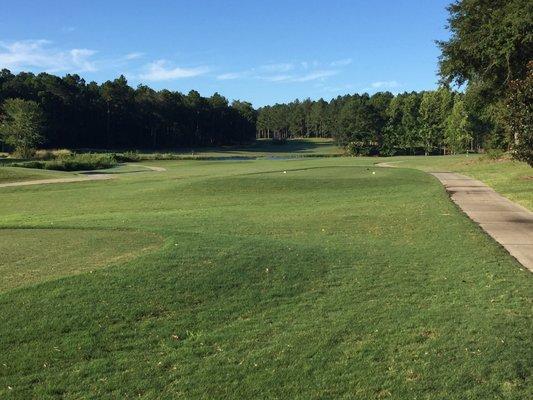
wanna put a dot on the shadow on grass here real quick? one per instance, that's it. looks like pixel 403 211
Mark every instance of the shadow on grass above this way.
pixel 292 146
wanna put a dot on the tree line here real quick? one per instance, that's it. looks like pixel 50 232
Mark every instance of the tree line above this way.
pixel 112 115
pixel 429 122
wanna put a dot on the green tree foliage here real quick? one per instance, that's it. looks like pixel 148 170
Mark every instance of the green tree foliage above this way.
pixel 435 107
pixel 319 121
pixel 296 119
pixel 408 123
pixel 491 42
pixel 403 127
pixel 243 120
pixel 490 46
pixel 457 134
pixel 115 115
pixel 411 122
pixel 21 125
pixel 380 103
pixel 519 116
pixel 358 123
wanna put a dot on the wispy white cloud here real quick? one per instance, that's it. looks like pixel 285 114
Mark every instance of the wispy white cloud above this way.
pixel 289 72
pixel 161 70
pixel 133 55
pixel 282 67
pixel 315 75
pixel 231 75
pixel 80 59
pixel 384 85
pixel 341 63
pixel 29 54
pixel 277 78
pixel 307 77
pixel 336 88
pixel 310 64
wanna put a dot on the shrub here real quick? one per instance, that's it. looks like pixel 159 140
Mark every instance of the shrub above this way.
pixel 518 117
pixel 28 164
pixel 61 153
pixel 387 151
pixel 43 154
pixel 47 154
pixel 128 156
pixel 73 162
pixel 361 149
pixel 21 126
pixel 494 154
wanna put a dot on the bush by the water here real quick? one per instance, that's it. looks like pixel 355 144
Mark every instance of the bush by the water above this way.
pixel 494 154
pixel 361 149
pixel 73 162
pixel 49 154
pixel 128 156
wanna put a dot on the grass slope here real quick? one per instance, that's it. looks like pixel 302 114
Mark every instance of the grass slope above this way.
pixel 30 256
pixel 326 281
pixel 510 178
pixel 14 174
pixel 311 147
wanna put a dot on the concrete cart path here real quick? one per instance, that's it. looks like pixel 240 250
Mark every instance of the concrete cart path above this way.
pixel 94 177
pixel 508 223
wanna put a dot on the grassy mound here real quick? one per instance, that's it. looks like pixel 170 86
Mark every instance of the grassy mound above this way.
pixel 12 174
pixel 512 179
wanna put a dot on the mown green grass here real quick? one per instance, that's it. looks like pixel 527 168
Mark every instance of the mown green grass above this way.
pixel 327 281
pixel 30 256
pixel 14 174
pixel 310 147
pixel 510 178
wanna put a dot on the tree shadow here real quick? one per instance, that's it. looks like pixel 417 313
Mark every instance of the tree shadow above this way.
pixel 290 146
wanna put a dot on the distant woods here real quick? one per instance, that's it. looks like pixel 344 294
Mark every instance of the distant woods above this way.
pixel 429 122
pixel 113 115
pixel 77 114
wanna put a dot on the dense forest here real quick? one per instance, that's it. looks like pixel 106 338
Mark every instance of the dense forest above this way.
pixel 77 114
pixel 114 115
pixel 426 122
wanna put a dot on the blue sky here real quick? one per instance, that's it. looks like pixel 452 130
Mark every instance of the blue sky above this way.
pixel 261 51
